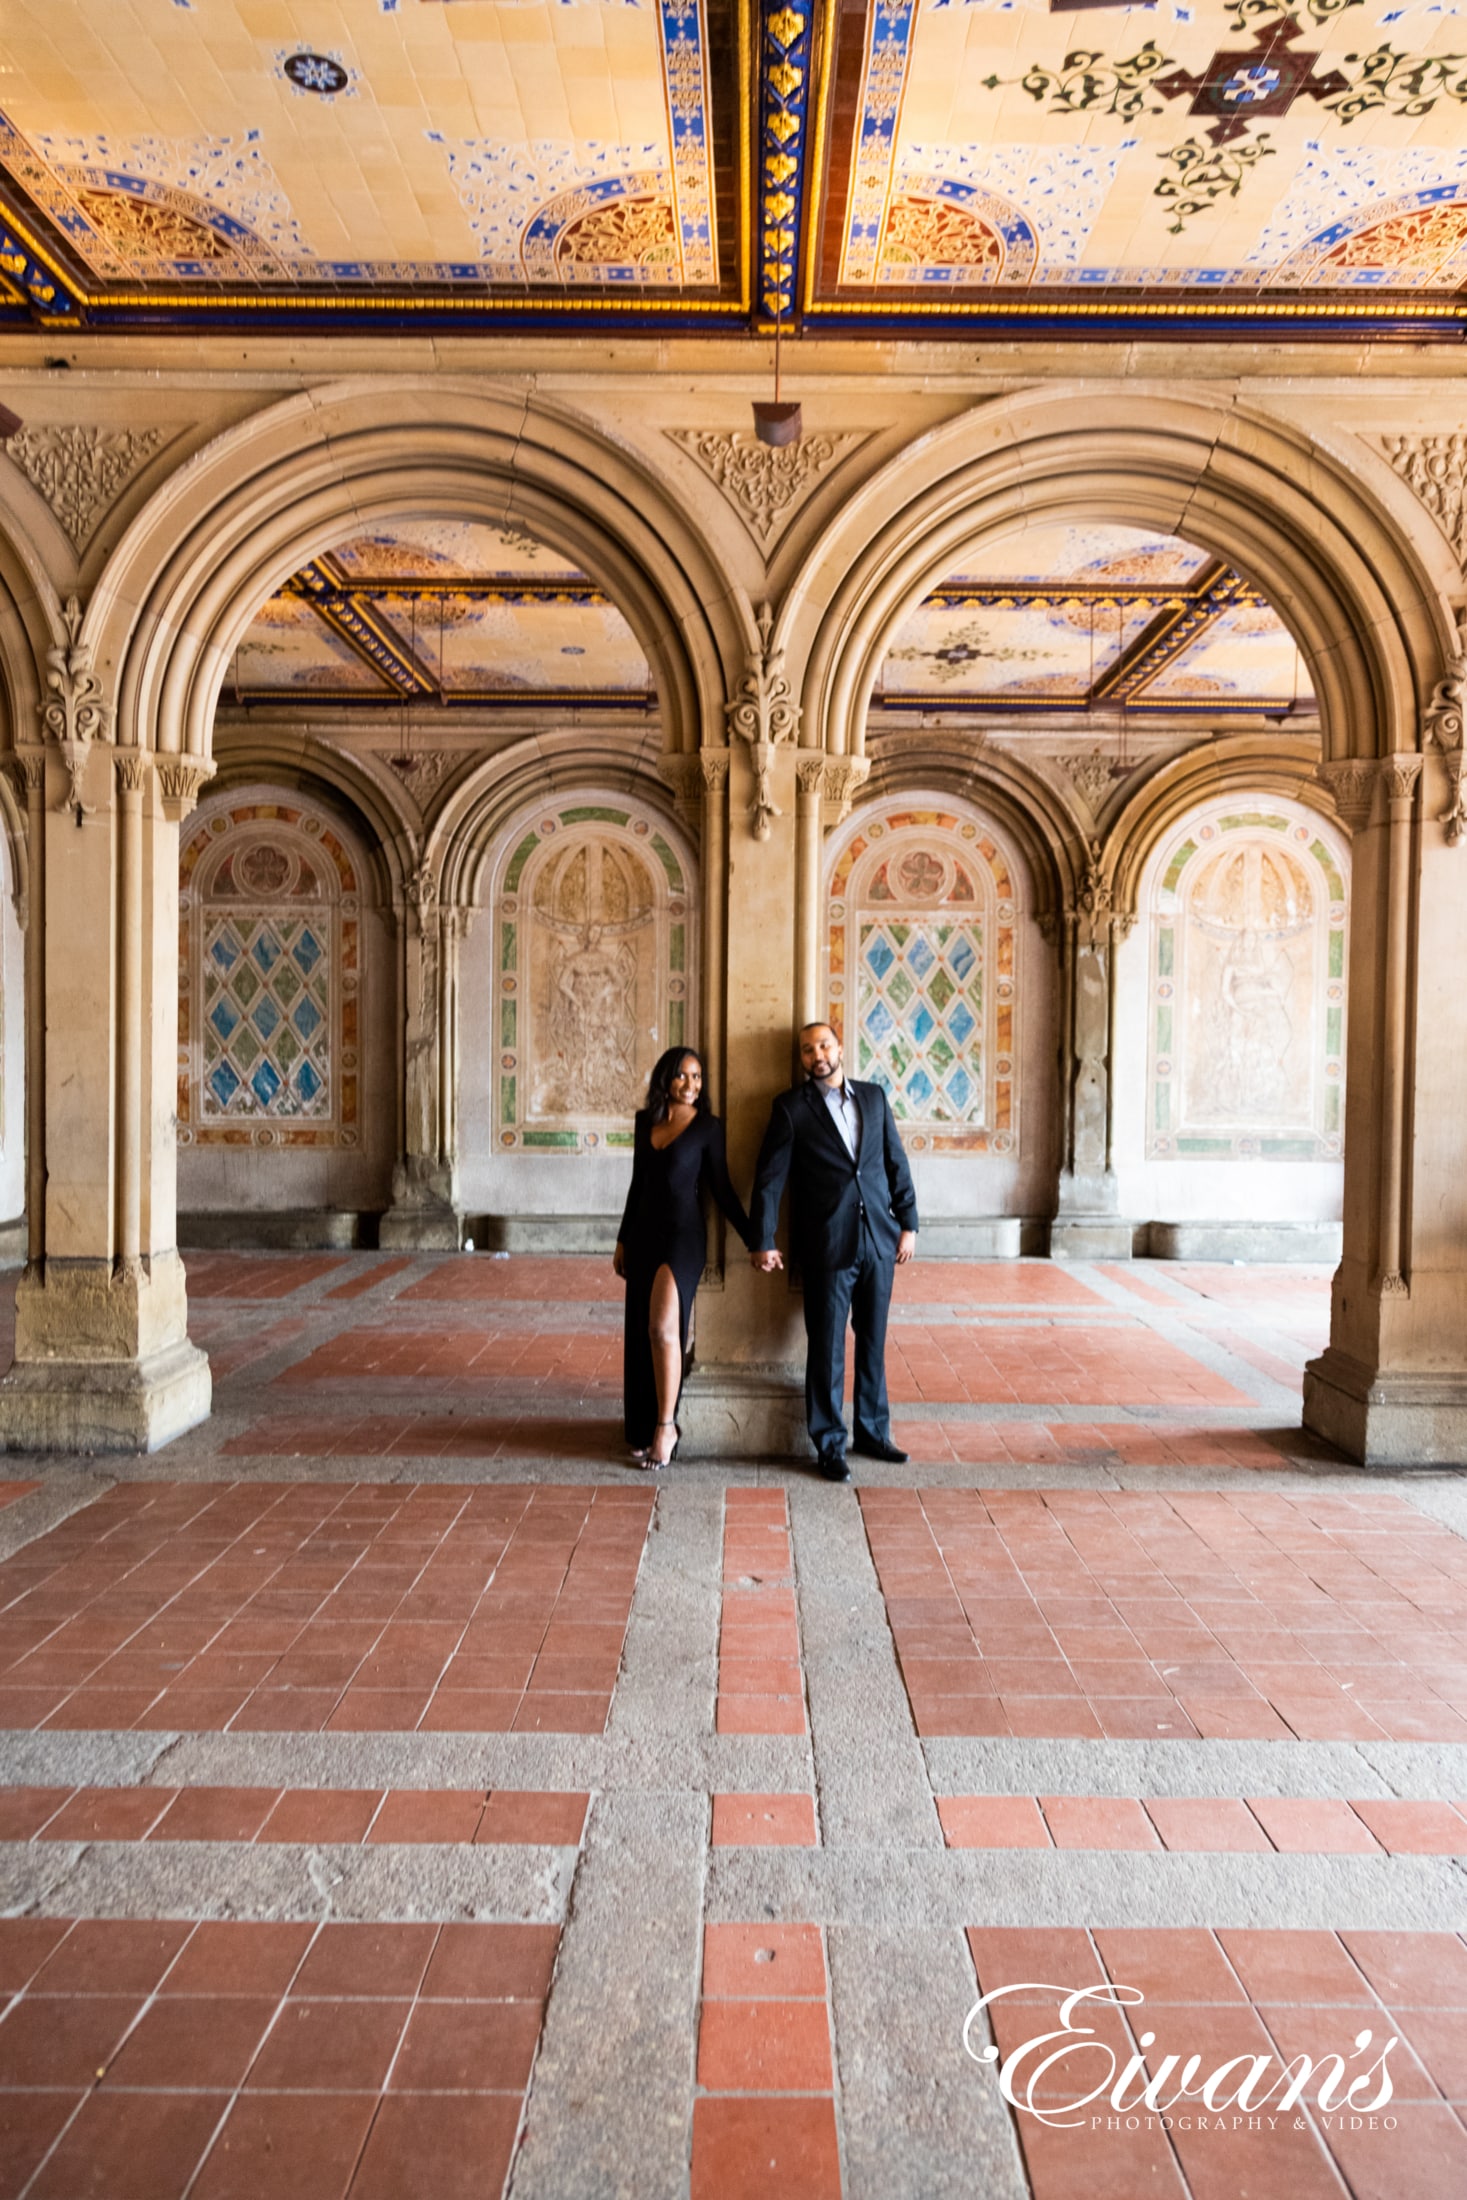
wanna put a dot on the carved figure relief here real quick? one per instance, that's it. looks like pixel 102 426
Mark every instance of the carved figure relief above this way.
pixel 593 972
pixel 269 956
pixel 1248 989
pixel 922 974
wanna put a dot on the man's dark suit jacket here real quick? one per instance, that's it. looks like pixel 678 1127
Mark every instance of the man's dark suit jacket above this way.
pixel 829 1192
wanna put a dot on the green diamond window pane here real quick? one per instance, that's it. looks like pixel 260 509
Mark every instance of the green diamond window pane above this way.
pixel 900 990
pixel 287 984
pixel 245 986
pixel 914 1021
pixel 941 990
pixel 940 1055
pixel 246 1049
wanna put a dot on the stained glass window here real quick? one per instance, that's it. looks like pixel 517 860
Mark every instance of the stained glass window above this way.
pixel 268 980
pixel 922 978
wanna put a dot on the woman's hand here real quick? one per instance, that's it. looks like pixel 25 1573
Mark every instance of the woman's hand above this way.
pixel 618 1260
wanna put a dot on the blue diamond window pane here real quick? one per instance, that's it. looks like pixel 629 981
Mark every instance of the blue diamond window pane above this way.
pixel 961 1022
pixel 920 956
pixel 306 1019
pixel 880 1023
pixel 267 1016
pixel 223 1084
pixel 922 1024
pixel 879 1077
pixel 265 1083
pixel 960 1089
pixel 307 1083
pixel 266 952
pixel 223 1018
pixel 962 956
pixel 225 953
pixel 919 1088
pixel 879 956
pixel 307 952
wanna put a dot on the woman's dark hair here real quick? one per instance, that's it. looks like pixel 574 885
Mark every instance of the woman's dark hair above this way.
pixel 659 1089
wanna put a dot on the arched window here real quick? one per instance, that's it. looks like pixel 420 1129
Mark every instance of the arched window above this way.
pixel 1248 911
pixel 268 974
pixel 923 985
pixel 594 972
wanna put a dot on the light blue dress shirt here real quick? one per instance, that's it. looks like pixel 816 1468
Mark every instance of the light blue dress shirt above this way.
pixel 844 1113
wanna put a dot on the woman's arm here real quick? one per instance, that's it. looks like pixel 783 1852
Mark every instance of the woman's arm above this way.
pixel 715 1176
pixel 635 1189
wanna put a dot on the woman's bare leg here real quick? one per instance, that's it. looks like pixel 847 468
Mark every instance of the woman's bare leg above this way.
pixel 664 1326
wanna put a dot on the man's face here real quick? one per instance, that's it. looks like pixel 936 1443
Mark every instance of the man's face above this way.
pixel 820 1053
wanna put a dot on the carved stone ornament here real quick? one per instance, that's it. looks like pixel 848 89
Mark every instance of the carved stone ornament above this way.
pixel 419 769
pixel 1094 913
pixel 764 714
pixel 1435 466
pixel 765 486
pixel 1401 774
pixel 1094 774
pixel 683 772
pixel 131 767
pixel 1352 784
pixel 74 715
pixel 180 778
pixel 81 472
pixel 1443 722
pixel 833 781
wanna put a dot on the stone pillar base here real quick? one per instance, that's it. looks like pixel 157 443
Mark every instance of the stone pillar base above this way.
pixel 1089 1237
pixel 744 1413
pixel 105 1405
pixel 1386 1420
pixel 411 1229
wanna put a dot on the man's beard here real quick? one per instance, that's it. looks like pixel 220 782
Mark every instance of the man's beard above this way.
pixel 826 1069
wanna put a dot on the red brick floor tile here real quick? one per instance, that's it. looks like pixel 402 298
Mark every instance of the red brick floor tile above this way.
pixel 1322 1827
pixel 743 1962
pixel 109 1814
pixel 1304 1968
pixel 1438 2038
pixel 352 1959
pixel 62 2039
pixel 1097 1822
pixel 1205 1824
pixel 1326 2031
pixel 226 1956
pixel 25 1944
pixel 992 1822
pixel 30 2124
pixel 170 2048
pixel 764 2046
pixel 447 2149
pixel 1414 1829
pixel 468 2047
pixel 215 1814
pixel 549 1713
pixel 1412 1970
pixel 512 1815
pixel 25 1810
pixel 760 1715
pixel 492 1963
pixel 319 2136
pixel 330 2047
pixel 441 1814
pixel 1170 1964
pixel 750 2149
pixel 320 1815
pixel 1015 1955
pixel 1425 2156
pixel 130 2146
pixel 1068 2164
pixel 112 1956
pixel 763 1821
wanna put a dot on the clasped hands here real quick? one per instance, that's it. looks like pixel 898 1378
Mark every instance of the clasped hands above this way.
pixel 767 1263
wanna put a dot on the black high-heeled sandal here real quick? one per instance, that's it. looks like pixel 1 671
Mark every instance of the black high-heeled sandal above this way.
pixel 655 1465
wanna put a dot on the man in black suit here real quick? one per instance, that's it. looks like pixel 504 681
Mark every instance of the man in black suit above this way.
pixel 853 1217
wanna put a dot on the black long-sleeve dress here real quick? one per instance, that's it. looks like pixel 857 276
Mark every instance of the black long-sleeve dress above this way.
pixel 663 1225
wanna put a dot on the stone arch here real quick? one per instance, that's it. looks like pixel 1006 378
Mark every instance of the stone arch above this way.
pixel 1366 602
pixel 1043 828
pixel 219 535
pixel 1244 763
pixel 337 781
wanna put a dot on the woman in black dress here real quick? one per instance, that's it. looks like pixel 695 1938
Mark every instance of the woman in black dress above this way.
pixel 662 1245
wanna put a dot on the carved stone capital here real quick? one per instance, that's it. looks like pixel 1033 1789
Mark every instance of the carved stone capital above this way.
pixel 1400 774
pixel 131 767
pixel 27 768
pixel 1352 784
pixel 1093 915
pixel 715 768
pixel 75 713
pixel 764 714
pixel 180 778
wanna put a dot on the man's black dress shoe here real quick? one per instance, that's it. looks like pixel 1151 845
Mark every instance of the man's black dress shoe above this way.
pixel 878 1447
pixel 833 1466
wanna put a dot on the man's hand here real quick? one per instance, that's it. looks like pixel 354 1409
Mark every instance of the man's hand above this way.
pixel 766 1263
pixel 619 1260
pixel 906 1246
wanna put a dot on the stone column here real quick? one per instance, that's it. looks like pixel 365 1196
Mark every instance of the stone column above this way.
pixel 1087 1223
pixel 1391 1389
pixel 103 1360
pixel 746 1393
pixel 425 1214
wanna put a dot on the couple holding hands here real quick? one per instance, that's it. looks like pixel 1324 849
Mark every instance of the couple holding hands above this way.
pixel 853 1220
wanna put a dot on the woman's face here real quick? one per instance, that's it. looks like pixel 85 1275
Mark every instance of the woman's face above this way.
pixel 687 1082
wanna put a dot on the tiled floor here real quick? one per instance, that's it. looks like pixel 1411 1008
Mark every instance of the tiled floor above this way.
pixel 404 1797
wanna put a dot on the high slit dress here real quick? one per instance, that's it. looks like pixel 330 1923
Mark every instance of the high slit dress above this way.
pixel 663 1226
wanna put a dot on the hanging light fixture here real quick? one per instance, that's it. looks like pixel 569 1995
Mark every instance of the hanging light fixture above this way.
pixel 779 423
